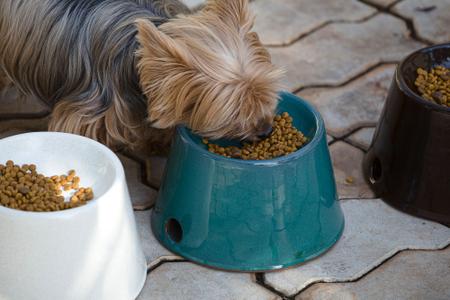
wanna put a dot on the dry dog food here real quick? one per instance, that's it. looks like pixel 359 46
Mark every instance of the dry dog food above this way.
pixel 23 188
pixel 434 85
pixel 284 139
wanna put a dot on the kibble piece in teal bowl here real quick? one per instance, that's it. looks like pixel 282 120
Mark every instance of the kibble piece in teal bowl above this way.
pixel 250 215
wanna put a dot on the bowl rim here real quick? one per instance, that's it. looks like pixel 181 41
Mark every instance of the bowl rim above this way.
pixel 184 133
pixel 403 86
pixel 118 177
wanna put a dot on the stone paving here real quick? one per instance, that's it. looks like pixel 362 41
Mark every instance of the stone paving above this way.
pixel 340 56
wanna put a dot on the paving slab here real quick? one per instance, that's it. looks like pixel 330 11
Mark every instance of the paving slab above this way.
pixel 339 52
pixel 347 165
pixel 153 250
pixel 408 275
pixel 282 22
pixel 180 280
pixel 431 18
pixel 142 196
pixel 155 166
pixel 373 233
pixel 362 138
pixel 358 103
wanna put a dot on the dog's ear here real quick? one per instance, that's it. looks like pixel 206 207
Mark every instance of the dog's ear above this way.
pixel 164 68
pixel 232 12
pixel 156 44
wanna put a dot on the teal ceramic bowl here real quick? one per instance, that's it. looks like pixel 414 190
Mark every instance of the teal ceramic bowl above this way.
pixel 250 215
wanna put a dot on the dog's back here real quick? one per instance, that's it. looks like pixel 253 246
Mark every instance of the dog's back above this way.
pixel 55 48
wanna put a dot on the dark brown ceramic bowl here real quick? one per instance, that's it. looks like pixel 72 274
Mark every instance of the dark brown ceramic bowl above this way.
pixel 408 163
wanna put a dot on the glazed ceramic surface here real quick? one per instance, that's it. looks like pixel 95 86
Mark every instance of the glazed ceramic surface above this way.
pixel 408 163
pixel 91 252
pixel 250 215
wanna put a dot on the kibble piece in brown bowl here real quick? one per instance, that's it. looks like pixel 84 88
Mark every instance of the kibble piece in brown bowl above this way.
pixel 408 164
pixel 434 85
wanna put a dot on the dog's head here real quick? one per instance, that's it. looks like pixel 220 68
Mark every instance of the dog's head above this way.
pixel 208 71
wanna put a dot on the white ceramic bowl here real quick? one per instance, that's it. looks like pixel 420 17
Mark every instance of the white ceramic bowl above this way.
pixel 88 252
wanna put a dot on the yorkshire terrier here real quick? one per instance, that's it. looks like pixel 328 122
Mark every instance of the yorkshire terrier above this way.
pixel 114 69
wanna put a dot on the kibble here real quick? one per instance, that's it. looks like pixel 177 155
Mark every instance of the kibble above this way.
pixel 283 140
pixel 434 85
pixel 23 188
pixel 349 180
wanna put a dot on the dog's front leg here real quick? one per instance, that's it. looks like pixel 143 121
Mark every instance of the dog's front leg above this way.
pixel 156 141
pixel 111 122
pixel 78 118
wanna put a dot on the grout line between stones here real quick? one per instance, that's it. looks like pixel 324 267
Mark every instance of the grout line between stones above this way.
pixel 409 23
pixel 319 27
pixel 378 6
pixel 260 280
pixel 372 269
pixel 349 142
pixel 159 262
pixel 348 81
pixel 348 134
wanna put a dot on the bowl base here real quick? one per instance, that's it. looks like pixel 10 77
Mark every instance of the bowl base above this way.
pixel 262 268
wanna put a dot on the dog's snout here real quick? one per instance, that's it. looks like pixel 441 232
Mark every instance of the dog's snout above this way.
pixel 264 130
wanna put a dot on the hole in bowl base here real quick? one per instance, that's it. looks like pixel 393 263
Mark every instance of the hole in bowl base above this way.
pixel 375 171
pixel 174 230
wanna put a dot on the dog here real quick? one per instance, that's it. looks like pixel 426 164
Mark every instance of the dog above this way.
pixel 126 72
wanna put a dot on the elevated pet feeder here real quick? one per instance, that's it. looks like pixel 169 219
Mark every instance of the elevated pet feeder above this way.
pixel 408 163
pixel 88 252
pixel 250 215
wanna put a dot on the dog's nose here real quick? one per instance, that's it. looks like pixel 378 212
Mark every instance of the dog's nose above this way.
pixel 265 130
